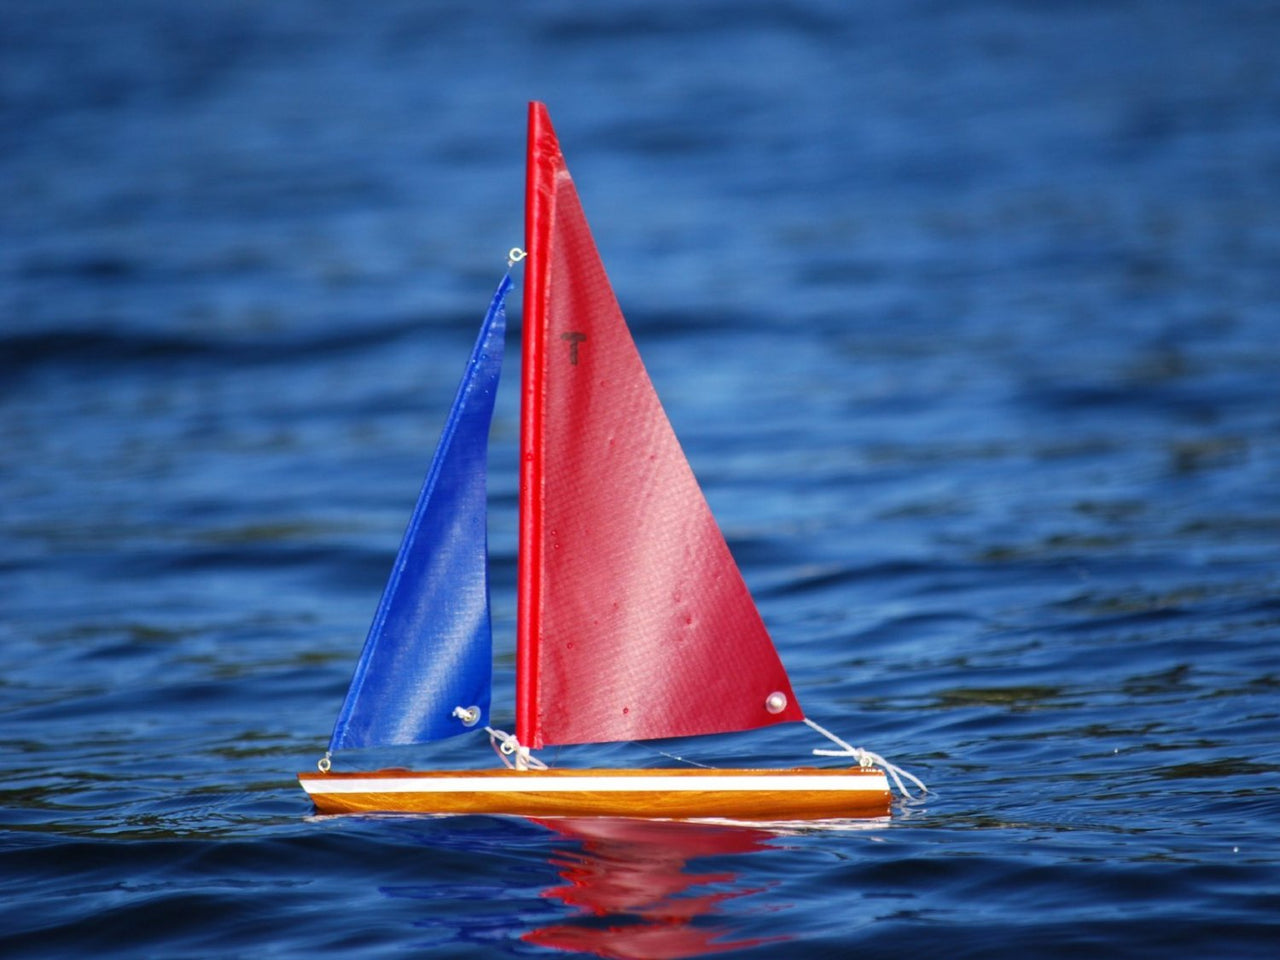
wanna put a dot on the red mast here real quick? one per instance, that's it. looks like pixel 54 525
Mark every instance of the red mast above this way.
pixel 541 164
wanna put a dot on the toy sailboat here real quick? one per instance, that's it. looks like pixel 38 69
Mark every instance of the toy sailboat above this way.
pixel 633 621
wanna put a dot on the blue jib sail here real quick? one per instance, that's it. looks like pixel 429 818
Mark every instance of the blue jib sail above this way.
pixel 429 649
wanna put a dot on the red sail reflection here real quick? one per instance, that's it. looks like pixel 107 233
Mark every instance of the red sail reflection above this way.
pixel 633 872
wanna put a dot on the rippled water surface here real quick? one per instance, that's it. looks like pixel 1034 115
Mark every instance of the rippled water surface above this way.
pixel 966 315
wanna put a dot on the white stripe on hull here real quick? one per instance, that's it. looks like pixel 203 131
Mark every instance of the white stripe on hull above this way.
pixel 532 783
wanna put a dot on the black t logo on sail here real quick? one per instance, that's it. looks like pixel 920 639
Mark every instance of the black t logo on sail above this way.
pixel 574 338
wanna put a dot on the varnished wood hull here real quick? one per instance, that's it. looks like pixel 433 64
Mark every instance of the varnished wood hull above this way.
pixel 802 794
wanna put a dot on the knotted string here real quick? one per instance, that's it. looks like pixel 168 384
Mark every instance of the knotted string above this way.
pixel 507 746
pixel 867 758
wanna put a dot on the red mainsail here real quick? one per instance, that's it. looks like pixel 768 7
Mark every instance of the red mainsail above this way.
pixel 633 620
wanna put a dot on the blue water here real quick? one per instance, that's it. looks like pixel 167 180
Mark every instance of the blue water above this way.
pixel 966 315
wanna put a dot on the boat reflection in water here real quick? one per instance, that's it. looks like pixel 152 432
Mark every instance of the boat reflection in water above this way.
pixel 607 887
pixel 630 881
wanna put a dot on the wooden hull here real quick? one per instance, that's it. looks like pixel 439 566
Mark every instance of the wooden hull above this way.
pixel 681 794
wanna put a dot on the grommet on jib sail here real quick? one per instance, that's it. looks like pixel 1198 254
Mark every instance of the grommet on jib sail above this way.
pixel 468 715
pixel 776 702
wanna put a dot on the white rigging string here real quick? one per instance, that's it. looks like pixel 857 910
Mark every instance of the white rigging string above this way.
pixel 866 758
pixel 516 756
pixel 512 753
